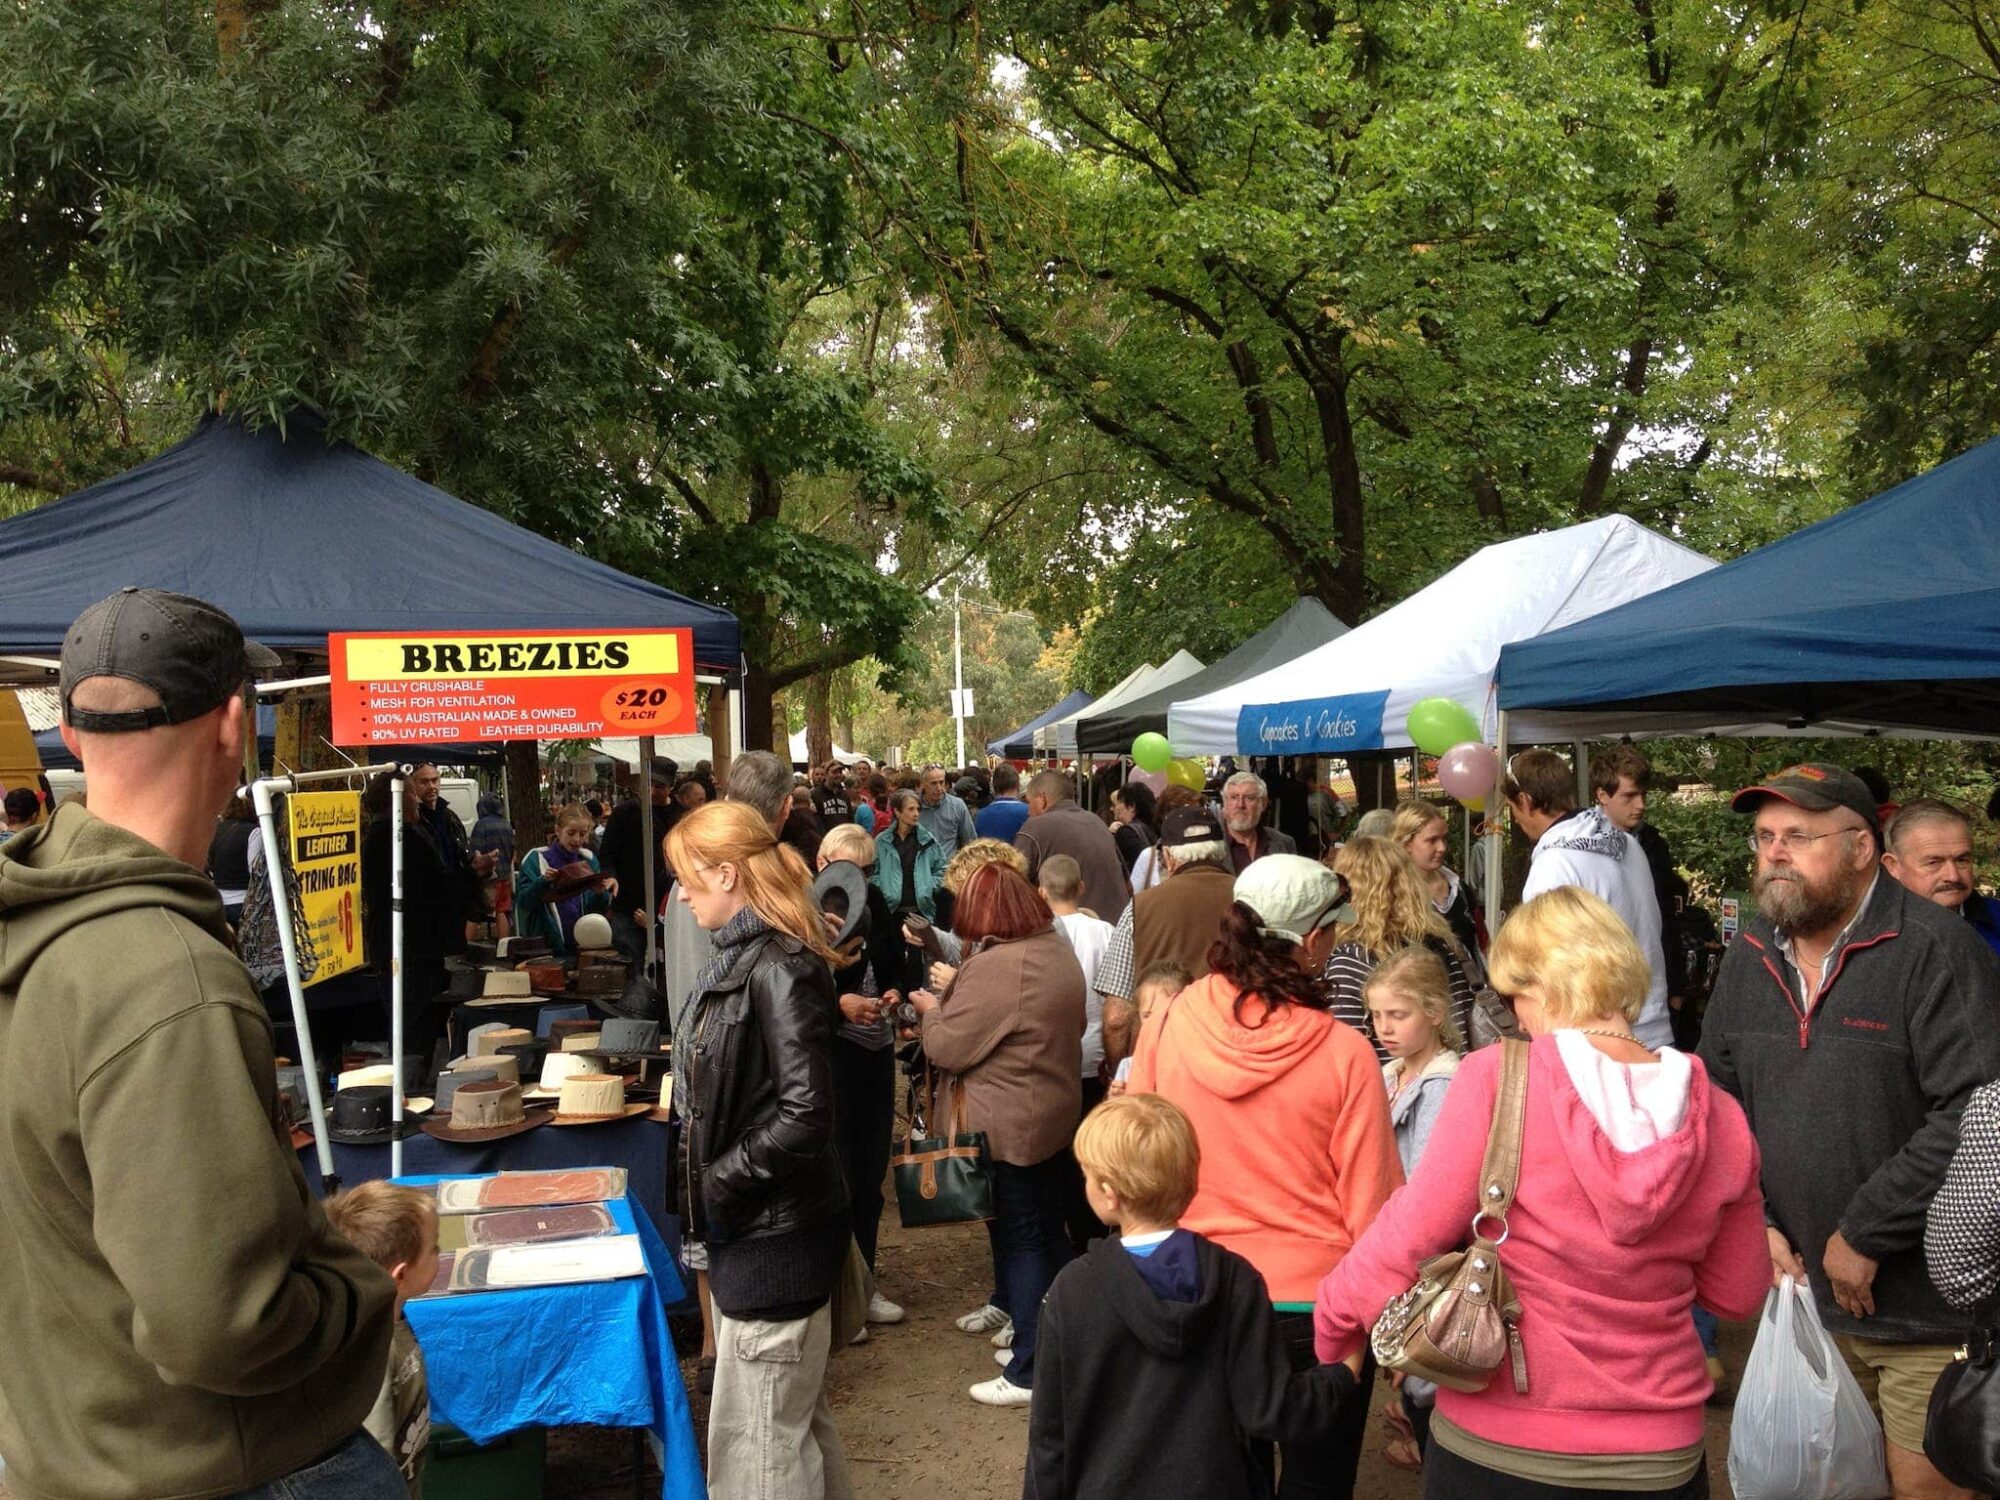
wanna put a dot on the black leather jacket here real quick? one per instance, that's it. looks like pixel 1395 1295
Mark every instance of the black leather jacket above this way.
pixel 759 1076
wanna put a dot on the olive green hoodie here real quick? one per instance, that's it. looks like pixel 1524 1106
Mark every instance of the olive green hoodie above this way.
pixel 177 1318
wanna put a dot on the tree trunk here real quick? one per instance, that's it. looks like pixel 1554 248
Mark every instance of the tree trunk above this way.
pixel 305 725
pixel 524 795
pixel 819 719
pixel 1374 773
pixel 757 704
pixel 723 747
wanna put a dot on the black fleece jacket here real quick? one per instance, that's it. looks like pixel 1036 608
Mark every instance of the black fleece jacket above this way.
pixel 1139 1394
pixel 1855 1105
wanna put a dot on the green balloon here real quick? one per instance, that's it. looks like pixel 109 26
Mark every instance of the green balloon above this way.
pixel 1436 724
pixel 1151 752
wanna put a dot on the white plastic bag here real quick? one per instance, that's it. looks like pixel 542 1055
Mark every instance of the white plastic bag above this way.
pixel 1802 1429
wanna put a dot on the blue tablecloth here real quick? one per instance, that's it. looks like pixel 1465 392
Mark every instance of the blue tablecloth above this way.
pixel 643 1147
pixel 596 1354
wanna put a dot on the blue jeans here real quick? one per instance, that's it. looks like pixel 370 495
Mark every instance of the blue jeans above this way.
pixel 1030 1245
pixel 1708 1329
pixel 357 1470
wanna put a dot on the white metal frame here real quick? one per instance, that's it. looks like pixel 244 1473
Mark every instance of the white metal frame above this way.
pixel 281 905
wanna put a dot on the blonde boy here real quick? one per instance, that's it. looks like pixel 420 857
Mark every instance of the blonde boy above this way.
pixel 397 1228
pixel 1159 1356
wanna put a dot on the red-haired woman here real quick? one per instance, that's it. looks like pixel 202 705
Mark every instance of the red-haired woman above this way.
pixel 1298 1155
pixel 1010 1028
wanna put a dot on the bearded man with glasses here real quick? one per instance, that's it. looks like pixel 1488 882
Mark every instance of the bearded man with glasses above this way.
pixel 1853 1018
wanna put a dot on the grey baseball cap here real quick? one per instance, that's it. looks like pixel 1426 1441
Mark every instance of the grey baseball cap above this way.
pixel 187 651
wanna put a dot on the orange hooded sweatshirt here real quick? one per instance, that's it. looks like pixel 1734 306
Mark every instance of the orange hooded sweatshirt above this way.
pixel 1297 1152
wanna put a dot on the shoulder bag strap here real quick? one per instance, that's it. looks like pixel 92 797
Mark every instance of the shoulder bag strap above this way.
pixel 1500 1172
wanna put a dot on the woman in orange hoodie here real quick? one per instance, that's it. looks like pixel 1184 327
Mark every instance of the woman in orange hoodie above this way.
pixel 1297 1151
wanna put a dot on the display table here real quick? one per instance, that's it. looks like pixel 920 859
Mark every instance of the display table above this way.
pixel 596 1354
pixel 643 1147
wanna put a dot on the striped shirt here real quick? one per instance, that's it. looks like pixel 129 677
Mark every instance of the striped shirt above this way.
pixel 1347 971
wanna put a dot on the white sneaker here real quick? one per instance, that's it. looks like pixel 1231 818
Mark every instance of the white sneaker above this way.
pixel 1000 1391
pixel 861 1337
pixel 882 1310
pixel 1004 1339
pixel 985 1320
pixel 1003 1357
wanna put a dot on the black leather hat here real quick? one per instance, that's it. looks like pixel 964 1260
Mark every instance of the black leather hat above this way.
pixel 841 892
pixel 360 1117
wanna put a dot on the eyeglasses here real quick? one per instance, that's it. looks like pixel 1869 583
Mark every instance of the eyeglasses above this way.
pixel 1763 841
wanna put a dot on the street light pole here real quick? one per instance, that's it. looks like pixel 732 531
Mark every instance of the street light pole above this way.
pixel 957 681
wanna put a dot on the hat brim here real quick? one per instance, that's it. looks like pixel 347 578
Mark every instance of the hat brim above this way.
pixel 851 881
pixel 411 1125
pixel 498 1002
pixel 662 1054
pixel 1753 797
pixel 260 661
pixel 443 1130
pixel 628 1112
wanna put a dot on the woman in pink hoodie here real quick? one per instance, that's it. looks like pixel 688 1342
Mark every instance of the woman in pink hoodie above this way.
pixel 1297 1152
pixel 1638 1195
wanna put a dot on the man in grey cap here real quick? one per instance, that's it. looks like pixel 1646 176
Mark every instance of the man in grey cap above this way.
pixel 214 1335
pixel 1853 1018
pixel 1176 921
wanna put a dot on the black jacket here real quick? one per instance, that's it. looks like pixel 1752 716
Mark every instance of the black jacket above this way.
pixel 623 855
pixel 1855 1106
pixel 1136 1394
pixel 438 899
pixel 882 949
pixel 759 1077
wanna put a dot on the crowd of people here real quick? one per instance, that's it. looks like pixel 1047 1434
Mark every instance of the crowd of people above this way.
pixel 1236 1084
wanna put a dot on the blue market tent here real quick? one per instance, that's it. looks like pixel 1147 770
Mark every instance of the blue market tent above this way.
pixel 298 537
pixel 1019 744
pixel 56 757
pixel 1883 617
pixel 1306 626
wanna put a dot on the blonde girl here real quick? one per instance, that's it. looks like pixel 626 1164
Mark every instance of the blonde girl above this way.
pixel 1409 1010
pixel 1409 1007
pixel 1425 831
pixel 1392 912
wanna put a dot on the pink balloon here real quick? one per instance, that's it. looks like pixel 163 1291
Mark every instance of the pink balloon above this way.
pixel 1468 771
pixel 1153 781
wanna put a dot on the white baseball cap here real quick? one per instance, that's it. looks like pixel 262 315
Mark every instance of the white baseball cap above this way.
pixel 1293 895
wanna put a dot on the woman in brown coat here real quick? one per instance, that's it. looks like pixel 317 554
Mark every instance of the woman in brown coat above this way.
pixel 1010 1028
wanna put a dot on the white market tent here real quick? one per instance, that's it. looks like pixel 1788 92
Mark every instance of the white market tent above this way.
pixel 1063 731
pixel 1444 641
pixel 796 746
pixel 1059 738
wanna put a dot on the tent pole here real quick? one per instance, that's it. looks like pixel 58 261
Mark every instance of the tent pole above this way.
pixel 396 970
pixel 1493 840
pixel 281 914
pixel 1582 751
pixel 646 842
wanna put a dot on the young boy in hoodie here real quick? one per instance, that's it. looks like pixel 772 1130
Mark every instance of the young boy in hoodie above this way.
pixel 1160 1359
pixel 397 1228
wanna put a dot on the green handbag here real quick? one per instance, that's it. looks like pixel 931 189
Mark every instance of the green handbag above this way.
pixel 945 1179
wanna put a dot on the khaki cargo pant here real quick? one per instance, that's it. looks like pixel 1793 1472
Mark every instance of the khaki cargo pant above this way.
pixel 770 1427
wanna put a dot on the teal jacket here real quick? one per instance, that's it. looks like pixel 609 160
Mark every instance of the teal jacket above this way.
pixel 889 870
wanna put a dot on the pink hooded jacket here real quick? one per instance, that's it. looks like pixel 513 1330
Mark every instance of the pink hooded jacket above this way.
pixel 1634 1203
